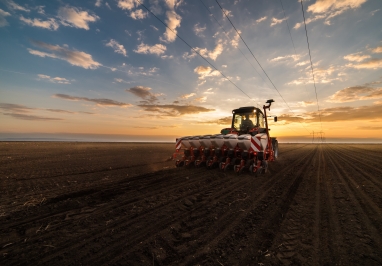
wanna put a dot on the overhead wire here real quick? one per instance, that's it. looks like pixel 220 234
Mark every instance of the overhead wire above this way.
pixel 274 86
pixel 192 48
pixel 286 20
pixel 311 64
pixel 227 35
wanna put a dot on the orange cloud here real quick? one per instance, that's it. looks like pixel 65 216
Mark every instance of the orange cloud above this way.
pixel 356 93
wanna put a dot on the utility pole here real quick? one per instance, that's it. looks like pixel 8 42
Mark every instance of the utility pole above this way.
pixel 313 136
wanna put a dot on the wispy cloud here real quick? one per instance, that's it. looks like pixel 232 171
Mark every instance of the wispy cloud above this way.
pixel 145 94
pixel 16 7
pixel 32 117
pixel 98 3
pixel 118 48
pixel 213 54
pixel 17 108
pixel 206 71
pixel 54 80
pixel 100 102
pixel 374 63
pixel 49 24
pixel 198 30
pixel 186 96
pixel 157 49
pixel 128 4
pixel 261 19
pixel 75 17
pixel 328 9
pixel 276 21
pixel 294 57
pixel 336 114
pixel 173 110
pixel 3 15
pixel 73 57
pixel 357 57
pixel 138 14
pixel 221 121
pixel 356 93
pixel 377 49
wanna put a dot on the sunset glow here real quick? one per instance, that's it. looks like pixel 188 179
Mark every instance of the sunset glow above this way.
pixel 112 67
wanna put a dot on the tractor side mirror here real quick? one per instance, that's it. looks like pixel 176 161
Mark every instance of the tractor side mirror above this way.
pixel 275 118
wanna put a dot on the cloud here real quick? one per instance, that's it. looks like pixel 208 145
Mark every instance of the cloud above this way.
pixel 157 49
pixel 54 80
pixel 13 6
pixel 100 102
pixel 186 96
pixel 347 113
pixel 321 75
pixel 138 14
pixel 198 30
pixel 3 21
pixel 118 48
pixel 356 93
pixel 373 12
pixel 74 17
pixel 377 50
pixel 309 20
pixel 18 111
pixel 357 57
pixel 128 4
pixel 145 94
pixel 221 121
pixel 98 3
pixel 205 72
pixel 324 6
pixel 175 110
pixel 17 108
pixel 335 114
pixel 276 21
pixel 329 8
pixel 173 21
pixel 73 57
pixel 201 99
pixel 295 57
pixel 227 12
pixel 373 63
pixel 307 103
pixel 261 19
pixel 289 118
pixel 211 54
pixel 49 24
pixel 32 117
pixel 60 111
pixel 235 39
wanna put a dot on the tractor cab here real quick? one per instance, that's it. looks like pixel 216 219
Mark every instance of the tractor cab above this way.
pixel 248 120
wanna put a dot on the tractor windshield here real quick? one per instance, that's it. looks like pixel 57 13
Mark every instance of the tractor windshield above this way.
pixel 244 121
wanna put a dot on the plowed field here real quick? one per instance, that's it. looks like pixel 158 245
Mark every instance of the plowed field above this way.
pixel 126 204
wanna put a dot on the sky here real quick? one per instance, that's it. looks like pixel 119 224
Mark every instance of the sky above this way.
pixel 153 70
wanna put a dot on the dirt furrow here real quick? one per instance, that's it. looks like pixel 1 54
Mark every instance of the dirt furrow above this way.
pixel 360 227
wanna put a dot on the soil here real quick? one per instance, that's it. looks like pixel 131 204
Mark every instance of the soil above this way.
pixel 127 204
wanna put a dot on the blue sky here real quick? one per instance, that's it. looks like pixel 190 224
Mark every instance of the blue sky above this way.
pixel 111 67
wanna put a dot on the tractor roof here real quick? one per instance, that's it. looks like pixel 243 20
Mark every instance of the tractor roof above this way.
pixel 246 109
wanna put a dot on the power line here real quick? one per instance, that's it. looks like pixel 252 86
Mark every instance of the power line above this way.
pixel 205 59
pixel 311 64
pixel 226 33
pixel 256 59
pixel 288 27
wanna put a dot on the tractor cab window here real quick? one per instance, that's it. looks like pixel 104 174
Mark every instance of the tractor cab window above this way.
pixel 244 121
pixel 261 121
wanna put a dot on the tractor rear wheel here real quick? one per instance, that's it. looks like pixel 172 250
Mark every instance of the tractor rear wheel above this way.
pixel 275 145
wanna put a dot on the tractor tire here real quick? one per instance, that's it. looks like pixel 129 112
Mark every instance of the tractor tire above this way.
pixel 275 145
